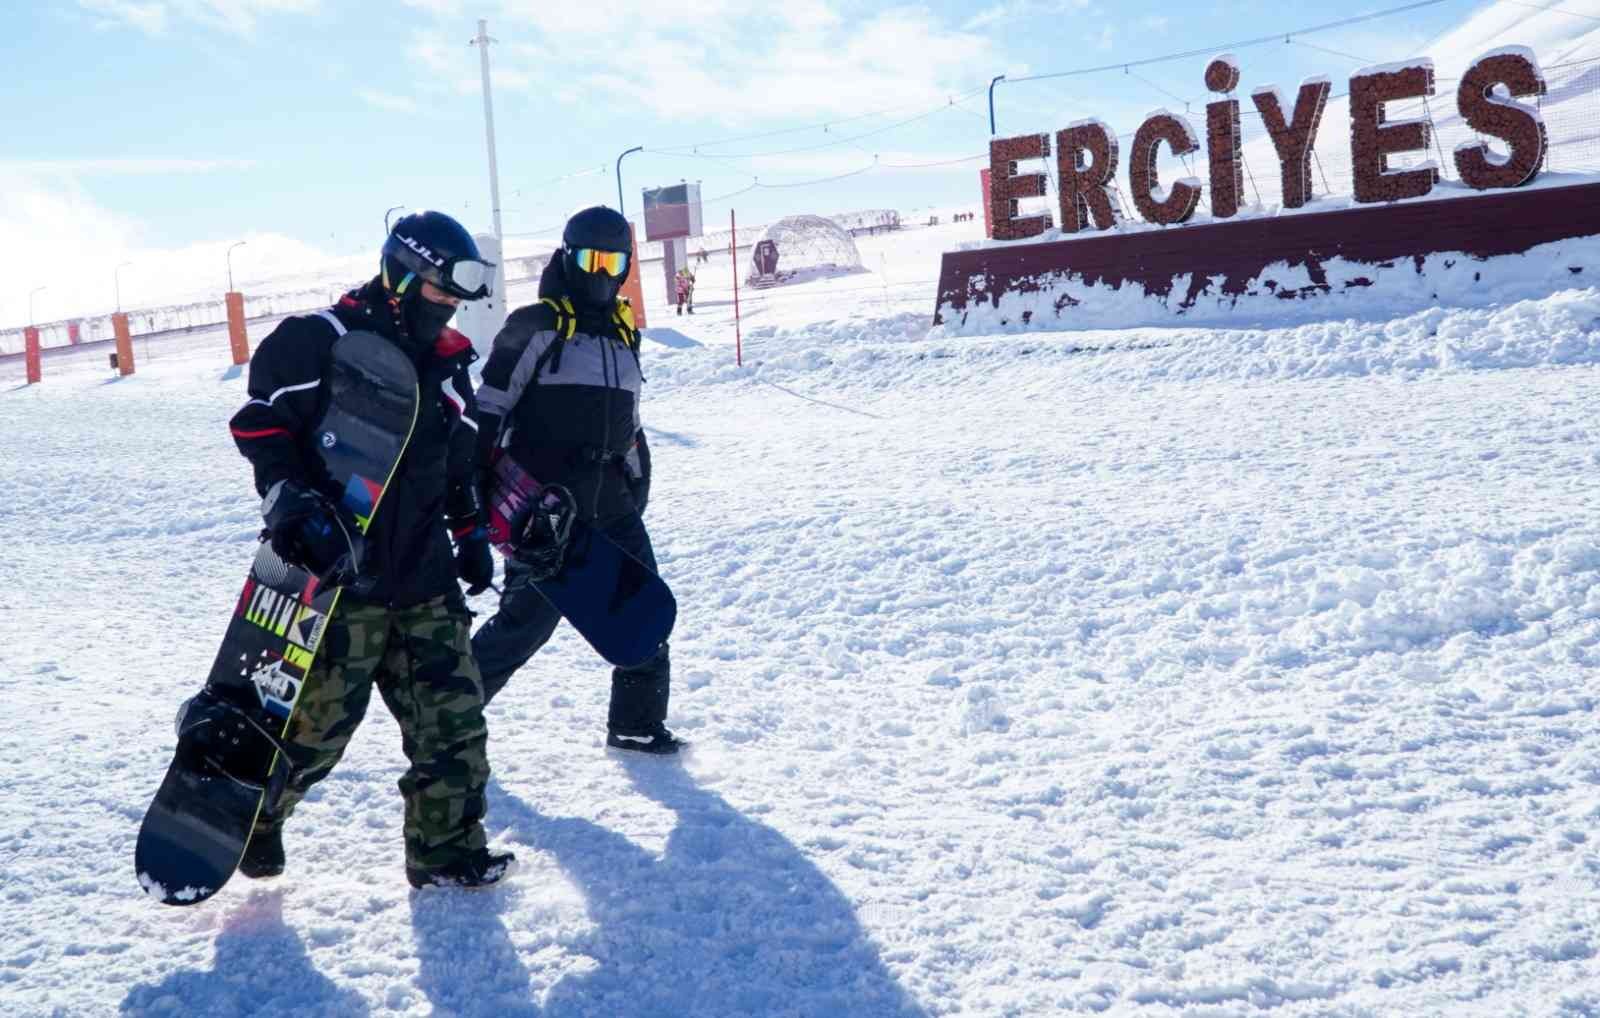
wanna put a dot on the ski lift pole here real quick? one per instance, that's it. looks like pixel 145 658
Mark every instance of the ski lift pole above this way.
pixel 733 256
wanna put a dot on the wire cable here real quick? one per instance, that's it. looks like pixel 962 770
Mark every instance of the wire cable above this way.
pixel 1238 44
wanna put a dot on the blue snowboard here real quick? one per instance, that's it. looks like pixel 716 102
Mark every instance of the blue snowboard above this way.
pixel 613 600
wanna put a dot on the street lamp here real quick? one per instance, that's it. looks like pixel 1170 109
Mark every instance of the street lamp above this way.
pixel 997 79
pixel 631 151
pixel 230 264
pixel 37 289
pixel 116 278
pixel 392 210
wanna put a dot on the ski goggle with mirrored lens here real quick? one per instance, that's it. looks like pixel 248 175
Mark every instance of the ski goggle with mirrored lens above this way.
pixel 612 263
pixel 466 278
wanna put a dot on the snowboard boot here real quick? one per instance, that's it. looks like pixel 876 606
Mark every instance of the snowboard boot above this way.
pixel 263 856
pixel 477 869
pixel 657 740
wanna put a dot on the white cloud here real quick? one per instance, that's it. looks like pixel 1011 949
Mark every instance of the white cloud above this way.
pixel 123 167
pixel 153 17
pixel 387 101
pixel 73 246
pixel 1017 10
pixel 810 64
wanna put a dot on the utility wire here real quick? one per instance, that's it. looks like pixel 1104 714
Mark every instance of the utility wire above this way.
pixel 735 156
pixel 820 126
pixel 1333 52
pixel 1554 8
pixel 1238 44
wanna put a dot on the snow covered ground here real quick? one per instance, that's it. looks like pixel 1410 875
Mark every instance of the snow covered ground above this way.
pixel 1145 672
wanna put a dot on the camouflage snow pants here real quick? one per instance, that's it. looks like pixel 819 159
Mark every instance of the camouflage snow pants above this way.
pixel 421 661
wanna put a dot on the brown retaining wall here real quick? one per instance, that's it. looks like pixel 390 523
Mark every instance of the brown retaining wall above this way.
pixel 1480 226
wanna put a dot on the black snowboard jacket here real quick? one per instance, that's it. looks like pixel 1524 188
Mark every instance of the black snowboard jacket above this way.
pixel 560 394
pixel 409 558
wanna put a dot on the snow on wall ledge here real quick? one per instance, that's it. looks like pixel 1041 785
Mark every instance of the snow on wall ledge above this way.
pixel 1383 260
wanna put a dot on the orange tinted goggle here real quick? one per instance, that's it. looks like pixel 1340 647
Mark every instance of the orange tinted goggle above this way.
pixel 612 263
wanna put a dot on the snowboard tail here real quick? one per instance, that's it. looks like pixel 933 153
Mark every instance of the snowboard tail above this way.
pixel 229 764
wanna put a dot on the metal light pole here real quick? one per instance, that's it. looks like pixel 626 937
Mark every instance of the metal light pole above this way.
pixel 631 151
pixel 482 42
pixel 998 78
pixel 116 279
pixel 391 211
pixel 230 264
pixel 37 289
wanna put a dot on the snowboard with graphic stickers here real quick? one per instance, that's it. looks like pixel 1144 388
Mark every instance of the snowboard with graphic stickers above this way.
pixel 227 766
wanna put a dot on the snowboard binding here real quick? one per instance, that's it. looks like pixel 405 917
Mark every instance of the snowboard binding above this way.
pixel 541 543
pixel 218 737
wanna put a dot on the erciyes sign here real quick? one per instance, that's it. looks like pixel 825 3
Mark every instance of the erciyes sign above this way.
pixel 1086 152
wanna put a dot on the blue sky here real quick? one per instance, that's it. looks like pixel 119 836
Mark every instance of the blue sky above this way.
pixel 139 125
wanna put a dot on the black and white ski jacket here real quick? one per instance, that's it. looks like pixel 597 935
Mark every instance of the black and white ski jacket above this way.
pixel 430 496
pixel 560 394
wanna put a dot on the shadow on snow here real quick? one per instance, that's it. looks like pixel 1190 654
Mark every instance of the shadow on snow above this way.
pixel 732 919
pixel 260 969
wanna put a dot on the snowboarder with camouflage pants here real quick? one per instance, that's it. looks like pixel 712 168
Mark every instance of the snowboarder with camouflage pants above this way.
pixel 402 624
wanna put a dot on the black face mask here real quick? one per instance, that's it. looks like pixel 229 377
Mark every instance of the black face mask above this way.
pixel 424 319
pixel 596 291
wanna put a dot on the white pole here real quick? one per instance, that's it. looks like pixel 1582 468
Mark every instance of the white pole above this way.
pixel 483 42
pixel 497 311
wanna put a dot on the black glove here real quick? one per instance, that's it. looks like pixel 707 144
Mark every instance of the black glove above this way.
pixel 474 561
pixel 542 546
pixel 305 528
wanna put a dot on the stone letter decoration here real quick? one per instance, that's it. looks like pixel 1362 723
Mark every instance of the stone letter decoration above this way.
pixel 1179 205
pixel 1373 138
pixel 1007 186
pixel 1084 181
pixel 1223 139
pixel 1520 126
pixel 1295 138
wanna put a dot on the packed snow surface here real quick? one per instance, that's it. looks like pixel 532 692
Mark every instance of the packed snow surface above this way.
pixel 1147 672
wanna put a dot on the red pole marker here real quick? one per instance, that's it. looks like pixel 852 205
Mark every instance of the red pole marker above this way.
pixel 733 252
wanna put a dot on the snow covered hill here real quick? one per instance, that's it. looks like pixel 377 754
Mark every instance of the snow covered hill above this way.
pixel 1146 672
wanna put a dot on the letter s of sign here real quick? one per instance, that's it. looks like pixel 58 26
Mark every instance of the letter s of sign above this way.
pixel 1517 124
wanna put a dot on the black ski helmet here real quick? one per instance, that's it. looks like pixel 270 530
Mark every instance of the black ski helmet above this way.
pixel 433 247
pixel 600 229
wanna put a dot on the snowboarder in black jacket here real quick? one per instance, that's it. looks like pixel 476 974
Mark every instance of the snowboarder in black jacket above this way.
pixel 560 395
pixel 402 624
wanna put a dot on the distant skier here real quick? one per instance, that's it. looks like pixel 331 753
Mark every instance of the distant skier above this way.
pixel 685 289
pixel 560 395
pixel 403 626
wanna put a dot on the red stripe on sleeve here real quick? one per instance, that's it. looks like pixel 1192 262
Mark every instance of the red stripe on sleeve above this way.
pixel 259 434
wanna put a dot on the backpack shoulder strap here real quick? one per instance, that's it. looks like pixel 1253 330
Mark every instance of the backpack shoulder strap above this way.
pixel 566 325
pixel 622 317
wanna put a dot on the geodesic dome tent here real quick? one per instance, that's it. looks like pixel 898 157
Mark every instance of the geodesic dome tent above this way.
pixel 802 244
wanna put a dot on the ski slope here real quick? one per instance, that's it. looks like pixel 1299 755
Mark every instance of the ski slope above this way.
pixel 1147 672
